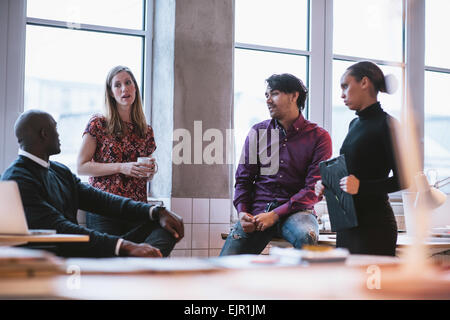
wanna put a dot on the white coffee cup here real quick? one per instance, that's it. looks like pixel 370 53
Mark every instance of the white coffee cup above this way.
pixel 148 160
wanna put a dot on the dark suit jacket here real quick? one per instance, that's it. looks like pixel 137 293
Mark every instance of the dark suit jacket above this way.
pixel 51 198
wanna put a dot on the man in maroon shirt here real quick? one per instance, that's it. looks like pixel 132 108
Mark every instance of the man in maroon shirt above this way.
pixel 274 190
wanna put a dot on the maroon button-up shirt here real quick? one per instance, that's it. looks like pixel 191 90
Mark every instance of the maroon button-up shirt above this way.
pixel 282 166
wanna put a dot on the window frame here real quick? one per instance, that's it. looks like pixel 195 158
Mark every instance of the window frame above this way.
pixel 319 54
pixel 431 68
pixel 146 35
pixel 320 59
pixel 12 62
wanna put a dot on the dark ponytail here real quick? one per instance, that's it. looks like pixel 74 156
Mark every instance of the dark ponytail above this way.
pixel 373 72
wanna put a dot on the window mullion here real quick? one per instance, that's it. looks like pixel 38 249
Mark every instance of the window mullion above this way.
pixel 377 61
pixel 328 67
pixel 12 66
pixel 84 27
pixel 437 69
pixel 148 57
pixel 318 45
pixel 248 46
pixel 415 66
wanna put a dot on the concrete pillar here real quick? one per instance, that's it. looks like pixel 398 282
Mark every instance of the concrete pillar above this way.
pixel 162 93
pixel 202 93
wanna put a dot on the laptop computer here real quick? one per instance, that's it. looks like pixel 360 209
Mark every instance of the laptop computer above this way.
pixel 12 215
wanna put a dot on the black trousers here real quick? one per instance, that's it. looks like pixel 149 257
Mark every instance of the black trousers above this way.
pixel 376 239
pixel 139 232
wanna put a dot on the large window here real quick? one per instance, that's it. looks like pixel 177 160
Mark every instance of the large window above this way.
pixel 378 37
pixel 275 40
pixel 317 41
pixel 437 83
pixel 70 47
pixel 279 39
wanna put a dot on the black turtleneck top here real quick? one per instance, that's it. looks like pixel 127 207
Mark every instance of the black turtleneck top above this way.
pixel 370 156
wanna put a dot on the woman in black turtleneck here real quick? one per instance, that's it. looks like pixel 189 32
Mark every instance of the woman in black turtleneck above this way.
pixel 370 157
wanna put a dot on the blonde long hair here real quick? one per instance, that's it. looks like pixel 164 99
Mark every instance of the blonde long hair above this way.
pixel 115 124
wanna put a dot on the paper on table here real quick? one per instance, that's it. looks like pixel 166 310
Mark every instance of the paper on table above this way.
pixel 28 262
pixel 322 255
pixel 12 254
pixel 441 232
pixel 245 261
pixel 140 265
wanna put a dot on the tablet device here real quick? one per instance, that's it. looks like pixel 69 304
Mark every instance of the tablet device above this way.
pixel 340 204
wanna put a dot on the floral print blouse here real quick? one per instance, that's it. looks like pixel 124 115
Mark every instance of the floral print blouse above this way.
pixel 111 149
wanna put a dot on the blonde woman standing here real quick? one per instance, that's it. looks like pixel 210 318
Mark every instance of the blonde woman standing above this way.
pixel 111 145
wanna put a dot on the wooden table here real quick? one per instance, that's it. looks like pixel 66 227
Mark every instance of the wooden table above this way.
pixel 403 240
pixel 51 238
pixel 338 280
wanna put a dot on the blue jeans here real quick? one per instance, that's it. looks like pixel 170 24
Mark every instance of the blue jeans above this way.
pixel 299 228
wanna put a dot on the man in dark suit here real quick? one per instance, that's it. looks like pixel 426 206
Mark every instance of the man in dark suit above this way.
pixel 51 196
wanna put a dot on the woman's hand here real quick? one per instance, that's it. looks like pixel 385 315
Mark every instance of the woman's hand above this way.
pixel 153 168
pixel 135 169
pixel 150 164
pixel 318 188
pixel 350 184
